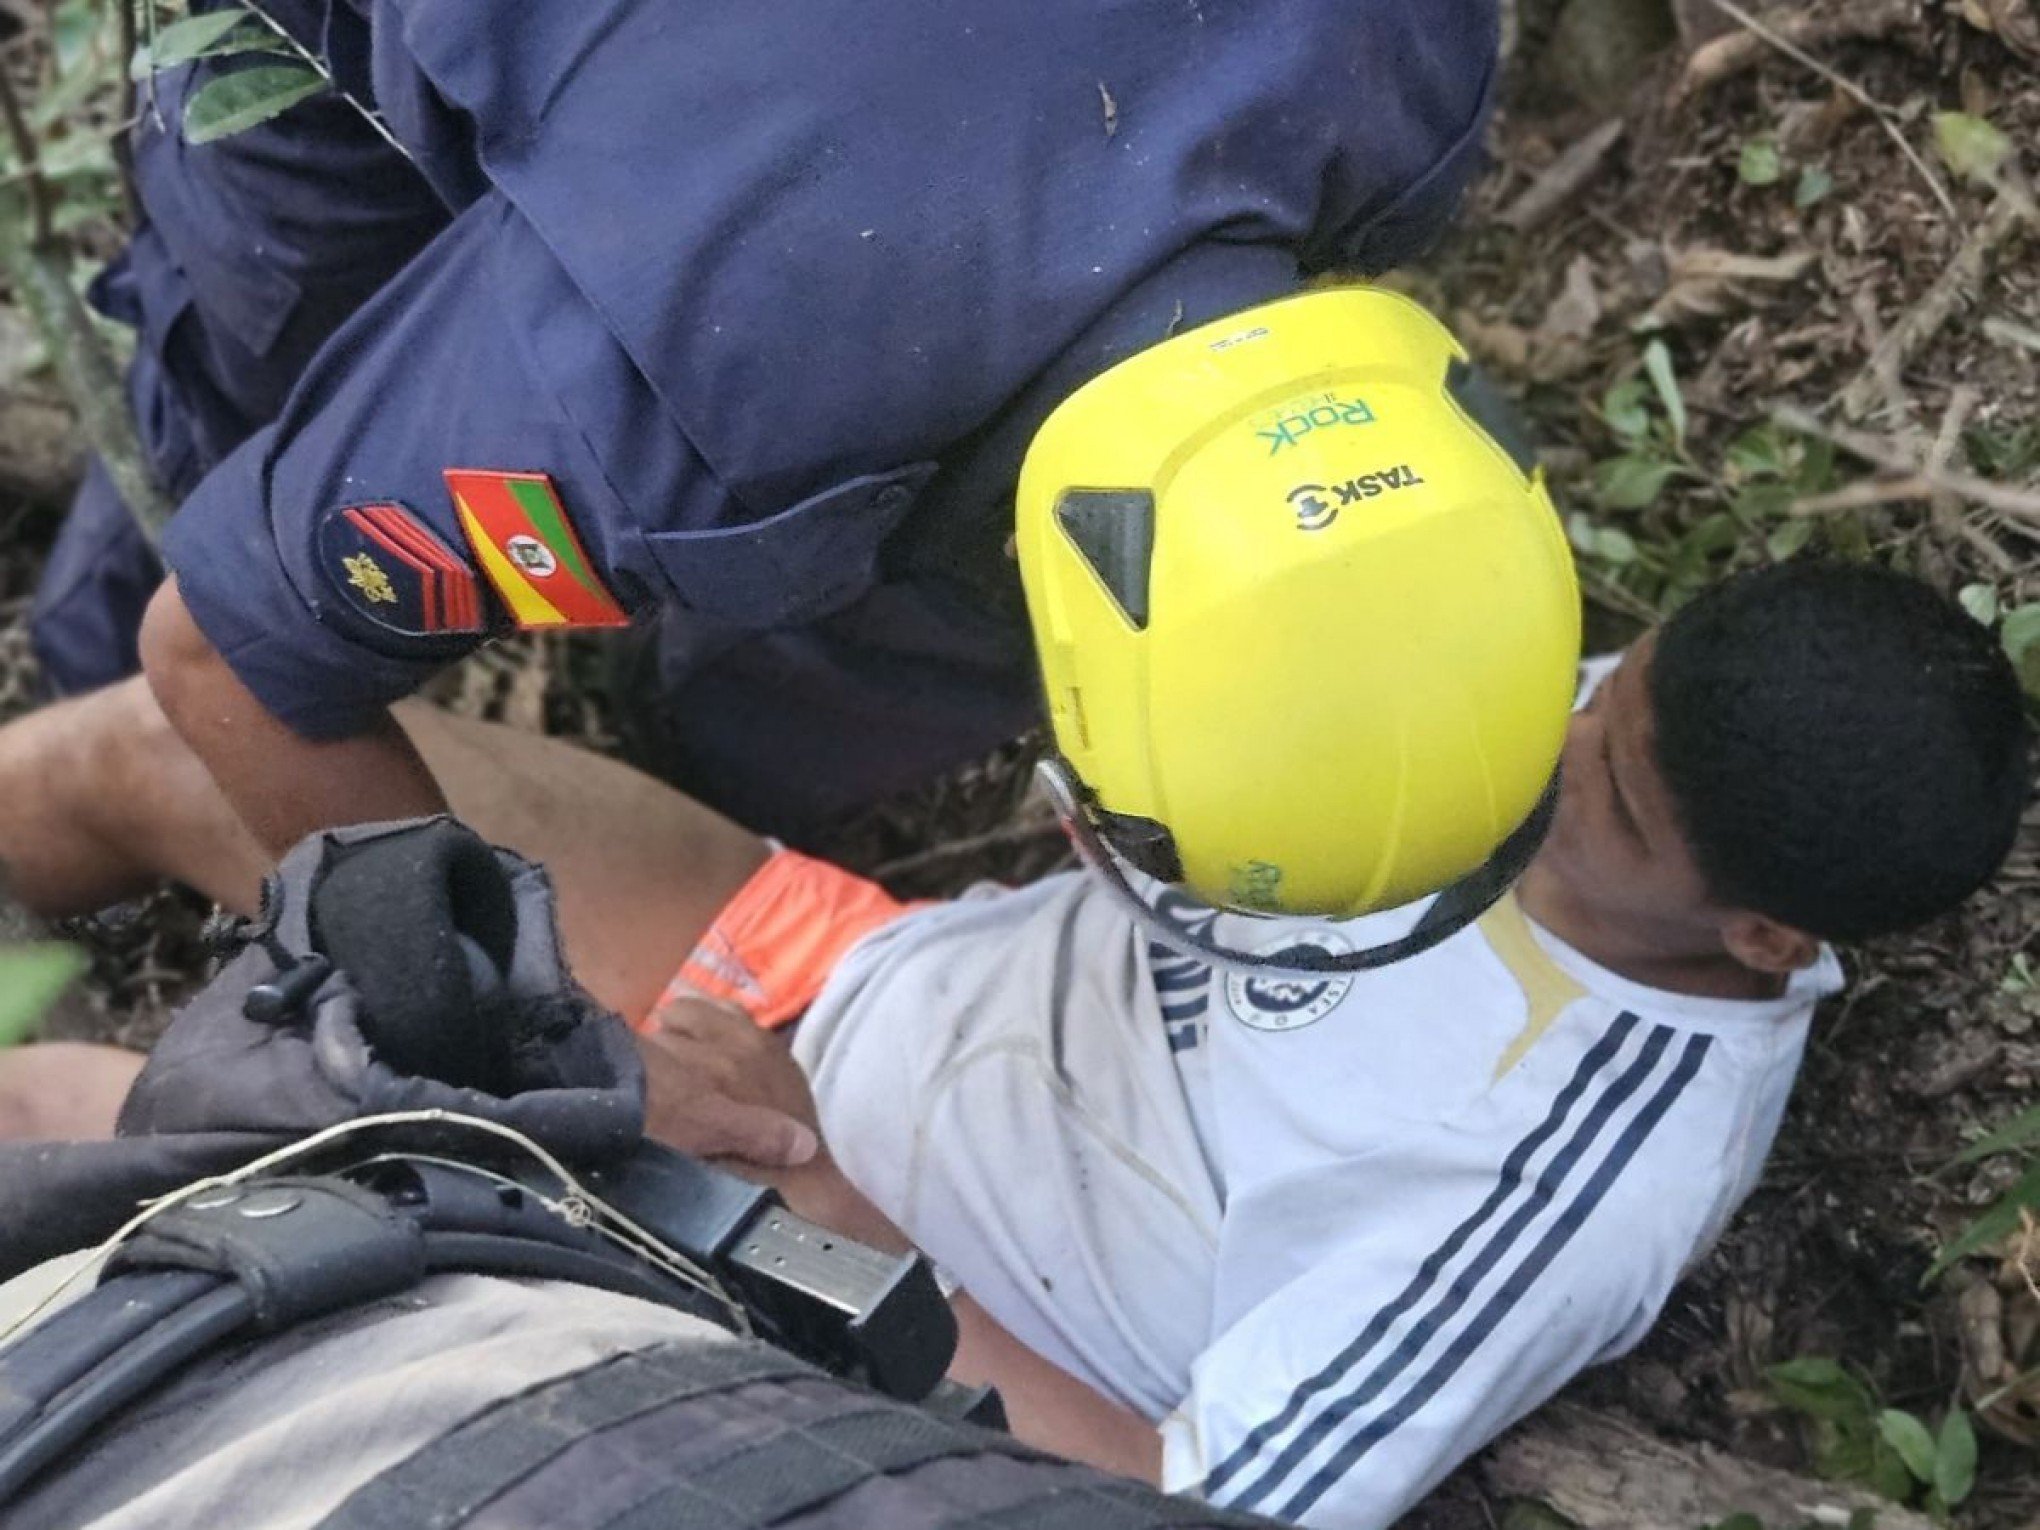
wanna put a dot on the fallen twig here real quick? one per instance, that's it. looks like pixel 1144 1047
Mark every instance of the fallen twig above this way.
pixel 28 156
pixel 37 266
pixel 1558 182
pixel 1955 285
pixel 1603 1473
pixel 1723 58
pixel 1915 480
pixel 2005 332
pixel 1849 88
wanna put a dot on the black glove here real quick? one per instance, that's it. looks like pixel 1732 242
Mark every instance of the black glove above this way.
pixel 394 967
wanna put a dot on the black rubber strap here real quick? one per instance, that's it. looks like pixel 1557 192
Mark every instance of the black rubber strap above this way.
pixel 450 1479
pixel 129 1373
pixel 799 1467
pixel 62 1348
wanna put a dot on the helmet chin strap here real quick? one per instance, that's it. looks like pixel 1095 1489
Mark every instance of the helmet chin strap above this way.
pixel 1451 911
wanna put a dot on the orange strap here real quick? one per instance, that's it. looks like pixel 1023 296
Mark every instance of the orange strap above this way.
pixel 775 943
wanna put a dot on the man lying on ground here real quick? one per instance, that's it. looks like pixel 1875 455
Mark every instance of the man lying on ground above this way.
pixel 1298 1243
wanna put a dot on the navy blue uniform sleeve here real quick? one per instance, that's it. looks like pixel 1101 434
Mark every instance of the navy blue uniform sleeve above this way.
pixel 479 355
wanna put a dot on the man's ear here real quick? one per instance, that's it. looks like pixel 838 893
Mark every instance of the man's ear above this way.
pixel 1764 945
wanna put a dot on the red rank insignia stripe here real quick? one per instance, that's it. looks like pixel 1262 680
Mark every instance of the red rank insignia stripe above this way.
pixel 526 545
pixel 448 600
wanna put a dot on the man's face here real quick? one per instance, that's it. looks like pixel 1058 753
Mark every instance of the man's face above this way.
pixel 1615 843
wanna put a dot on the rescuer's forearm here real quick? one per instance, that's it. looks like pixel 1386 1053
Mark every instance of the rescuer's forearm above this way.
pixel 282 785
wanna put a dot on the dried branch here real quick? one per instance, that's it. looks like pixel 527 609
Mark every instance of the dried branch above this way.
pixel 29 156
pixel 1954 286
pixel 1722 58
pixel 318 66
pixel 1885 116
pixel 1562 179
pixel 40 277
pixel 1914 481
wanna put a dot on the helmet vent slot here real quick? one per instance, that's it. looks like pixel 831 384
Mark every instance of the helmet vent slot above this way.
pixel 1114 529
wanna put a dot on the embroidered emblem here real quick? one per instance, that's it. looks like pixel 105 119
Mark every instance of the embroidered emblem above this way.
pixel 390 567
pixel 526 545
pixel 366 575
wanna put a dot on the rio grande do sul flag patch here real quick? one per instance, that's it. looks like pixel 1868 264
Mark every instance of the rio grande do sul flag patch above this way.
pixel 527 548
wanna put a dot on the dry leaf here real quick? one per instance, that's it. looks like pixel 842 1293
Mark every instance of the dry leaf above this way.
pixel 1498 344
pixel 1704 282
pixel 1577 308
pixel 2015 23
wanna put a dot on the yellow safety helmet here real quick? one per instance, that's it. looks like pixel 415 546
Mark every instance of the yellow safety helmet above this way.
pixel 1307 622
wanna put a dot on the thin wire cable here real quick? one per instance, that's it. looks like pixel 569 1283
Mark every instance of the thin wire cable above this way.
pixel 624 1232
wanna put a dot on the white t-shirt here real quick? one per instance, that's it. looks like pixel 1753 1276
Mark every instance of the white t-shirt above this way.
pixel 1333 1236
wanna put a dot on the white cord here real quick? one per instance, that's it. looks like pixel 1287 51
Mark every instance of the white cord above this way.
pixel 578 1202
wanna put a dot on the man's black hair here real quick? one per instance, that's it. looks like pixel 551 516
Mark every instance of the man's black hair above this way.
pixel 1846 750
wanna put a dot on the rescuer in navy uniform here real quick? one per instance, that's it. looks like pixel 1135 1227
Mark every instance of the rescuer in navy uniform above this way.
pixel 736 315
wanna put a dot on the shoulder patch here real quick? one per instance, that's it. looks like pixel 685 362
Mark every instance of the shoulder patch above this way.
pixel 390 567
pixel 526 545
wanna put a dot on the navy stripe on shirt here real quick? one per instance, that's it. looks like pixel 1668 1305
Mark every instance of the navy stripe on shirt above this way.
pixel 1455 1296
pixel 1427 1273
pixel 1505 1297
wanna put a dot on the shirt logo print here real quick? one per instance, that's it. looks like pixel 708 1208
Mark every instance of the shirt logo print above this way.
pixel 1289 1002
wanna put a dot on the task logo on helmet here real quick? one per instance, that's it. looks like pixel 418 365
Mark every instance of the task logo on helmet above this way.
pixel 1307 623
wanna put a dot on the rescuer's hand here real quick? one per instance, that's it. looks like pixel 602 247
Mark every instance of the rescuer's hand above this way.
pixel 719 1087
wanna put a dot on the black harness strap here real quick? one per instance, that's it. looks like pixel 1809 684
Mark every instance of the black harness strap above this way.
pixel 448 1480
pixel 798 1467
pixel 130 1372
pixel 64 1347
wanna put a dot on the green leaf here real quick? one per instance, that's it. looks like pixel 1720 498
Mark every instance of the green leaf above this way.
pixel 2022 1129
pixel 1789 538
pixel 1821 1388
pixel 1632 482
pixel 235 102
pixel 73 36
pixel 2004 451
pixel 1887 1474
pixel 1909 1437
pixel 1998 1223
pixel 1757 503
pixel 1615 546
pixel 1657 365
pixel 1955 1458
pixel 1738 1522
pixel 1622 407
pixel 1980 601
pixel 1759 452
pixel 1714 534
pixel 1974 149
pixel 2021 636
pixel 195 37
pixel 1528 1514
pixel 1761 164
pixel 1814 183
pixel 1816 466
pixel 31 977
